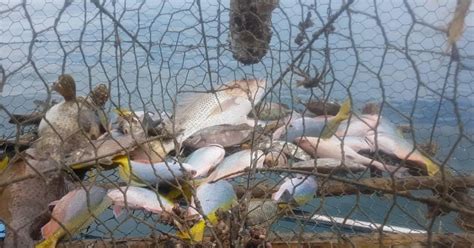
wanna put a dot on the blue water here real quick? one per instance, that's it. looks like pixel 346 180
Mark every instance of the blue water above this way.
pixel 377 70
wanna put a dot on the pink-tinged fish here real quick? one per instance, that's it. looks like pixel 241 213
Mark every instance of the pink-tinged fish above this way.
pixel 296 191
pixel 205 159
pixel 139 198
pixel 363 133
pixel 75 211
pixel 236 163
pixel 331 148
pixel 224 135
pixel 391 142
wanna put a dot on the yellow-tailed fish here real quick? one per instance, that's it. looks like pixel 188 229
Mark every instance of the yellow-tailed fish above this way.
pixel 75 211
pixel 212 197
pixel 391 141
pixel 143 174
pixel 331 148
pixel 374 131
pixel 4 162
pixel 139 198
pixel 229 104
pixel 321 126
pixel 333 124
pixel 296 191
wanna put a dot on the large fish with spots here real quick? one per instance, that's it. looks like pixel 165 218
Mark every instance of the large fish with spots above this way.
pixel 229 104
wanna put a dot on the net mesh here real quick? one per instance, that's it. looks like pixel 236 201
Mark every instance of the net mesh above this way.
pixel 407 62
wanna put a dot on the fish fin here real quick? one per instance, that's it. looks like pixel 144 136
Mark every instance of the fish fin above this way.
pixel 4 163
pixel 47 243
pixel 79 166
pixel 176 193
pixel 124 167
pixel 117 210
pixel 431 167
pixel 123 112
pixel 195 233
pixel 333 124
pixel 53 203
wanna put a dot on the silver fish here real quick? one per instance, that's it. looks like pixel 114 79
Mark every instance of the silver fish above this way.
pixel 205 159
pixel 139 198
pixel 297 191
pixel 235 163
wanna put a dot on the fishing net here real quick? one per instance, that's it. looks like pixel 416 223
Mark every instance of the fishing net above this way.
pixel 408 63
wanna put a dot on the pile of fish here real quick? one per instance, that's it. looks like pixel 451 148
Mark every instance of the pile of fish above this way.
pixel 181 165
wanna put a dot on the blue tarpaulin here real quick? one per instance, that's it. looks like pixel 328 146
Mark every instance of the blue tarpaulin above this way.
pixel 2 231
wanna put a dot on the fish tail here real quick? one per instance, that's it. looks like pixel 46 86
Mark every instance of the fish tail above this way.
pixel 4 163
pixel 175 193
pixel 123 112
pixel 431 167
pixel 47 243
pixel 195 233
pixel 79 166
pixel 343 114
pixel 124 167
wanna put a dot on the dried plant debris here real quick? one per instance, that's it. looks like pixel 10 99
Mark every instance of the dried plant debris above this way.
pixel 456 26
pixel 250 29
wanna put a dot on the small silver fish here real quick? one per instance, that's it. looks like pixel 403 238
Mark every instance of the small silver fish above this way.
pixel 235 163
pixel 297 191
pixel 212 197
pixel 205 159
pixel 144 174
